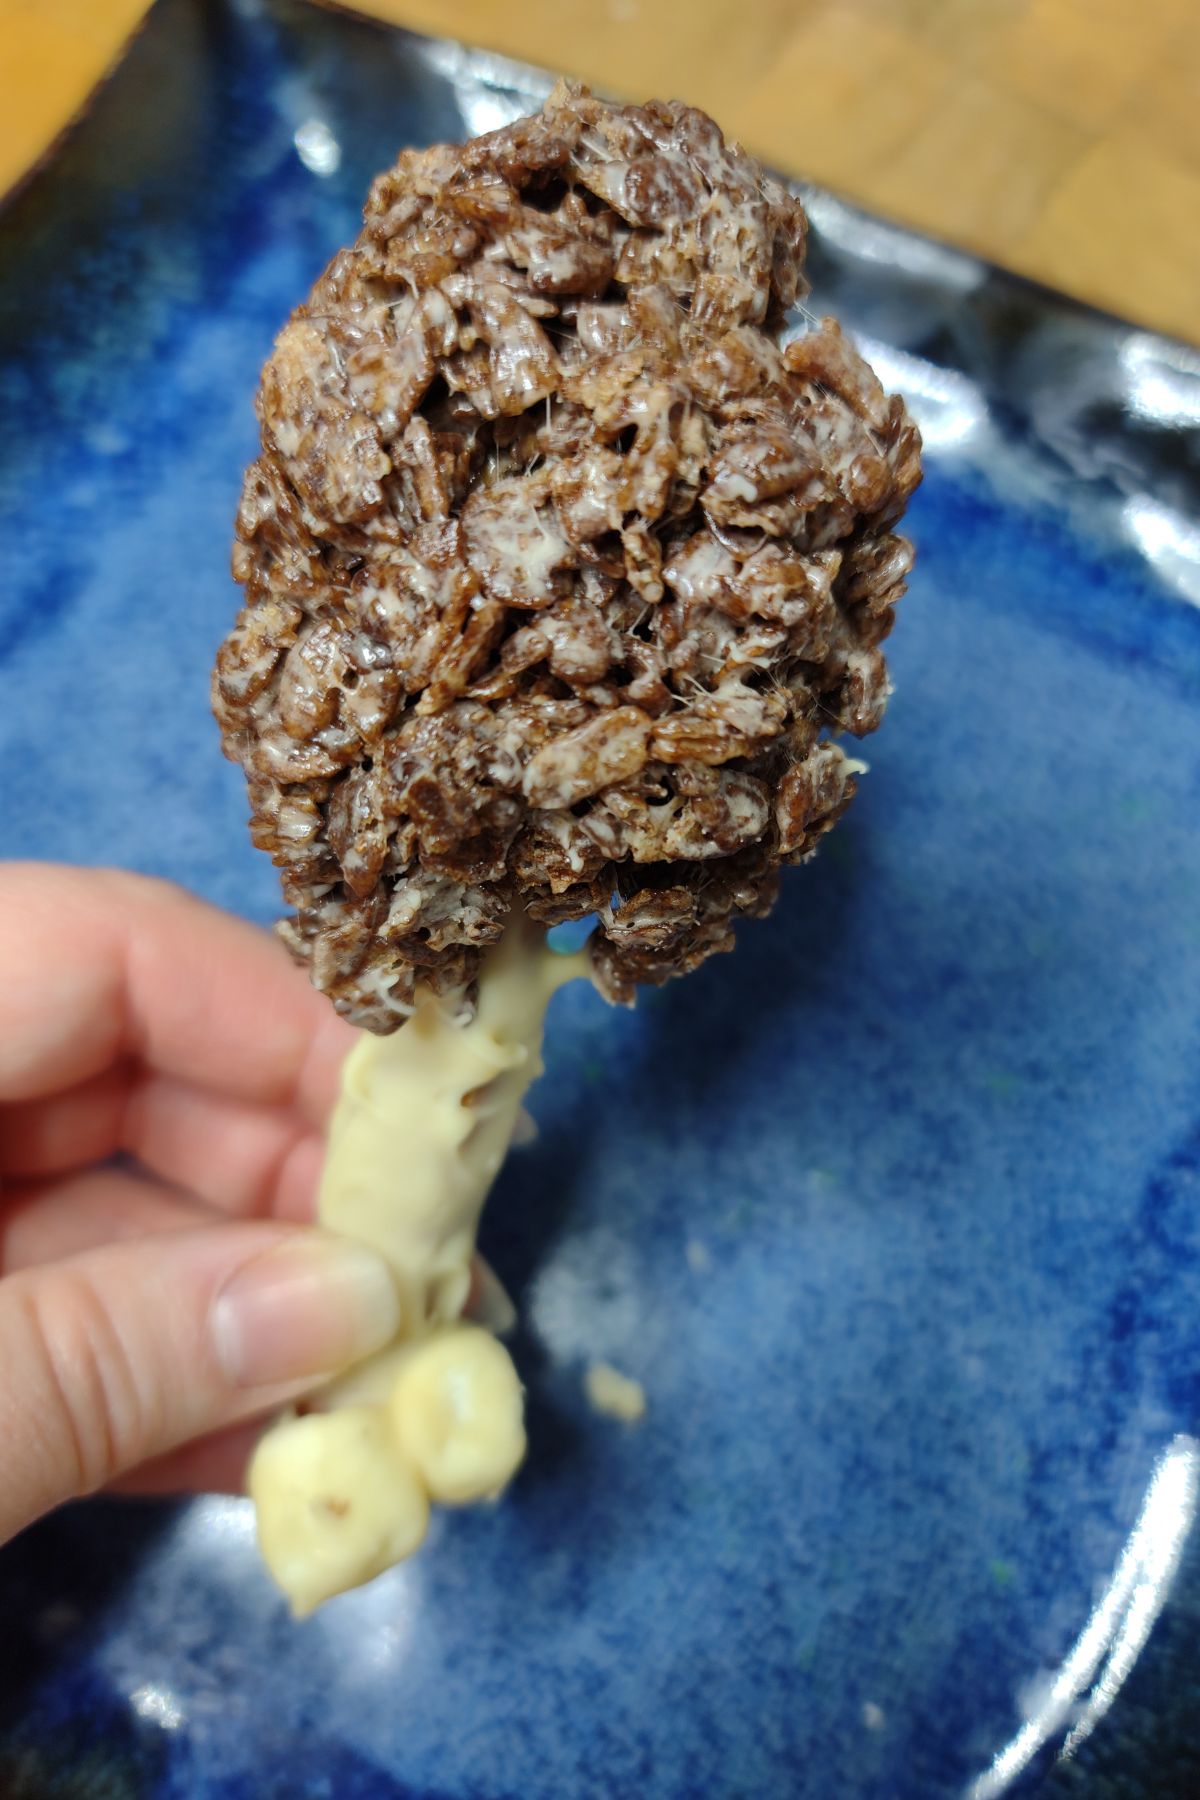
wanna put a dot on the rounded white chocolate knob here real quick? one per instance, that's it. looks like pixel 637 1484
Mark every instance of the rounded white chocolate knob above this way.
pixel 457 1411
pixel 337 1502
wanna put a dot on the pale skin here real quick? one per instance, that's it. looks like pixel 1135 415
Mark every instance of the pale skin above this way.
pixel 151 1317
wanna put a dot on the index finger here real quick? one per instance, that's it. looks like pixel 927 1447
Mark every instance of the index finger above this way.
pixel 98 966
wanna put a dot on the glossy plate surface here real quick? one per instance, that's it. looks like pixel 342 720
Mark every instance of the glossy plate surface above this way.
pixel 896 1213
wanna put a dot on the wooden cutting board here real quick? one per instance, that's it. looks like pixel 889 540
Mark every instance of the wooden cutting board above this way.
pixel 1059 137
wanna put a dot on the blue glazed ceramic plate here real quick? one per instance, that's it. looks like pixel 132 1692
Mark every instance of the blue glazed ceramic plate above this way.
pixel 896 1213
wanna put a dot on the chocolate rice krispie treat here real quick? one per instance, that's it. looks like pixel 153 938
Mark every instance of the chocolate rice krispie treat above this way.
pixel 566 560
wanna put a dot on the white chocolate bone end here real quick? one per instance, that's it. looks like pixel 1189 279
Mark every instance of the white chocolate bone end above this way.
pixel 457 1411
pixel 337 1502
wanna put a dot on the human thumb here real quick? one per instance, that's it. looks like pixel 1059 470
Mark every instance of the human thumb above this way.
pixel 128 1351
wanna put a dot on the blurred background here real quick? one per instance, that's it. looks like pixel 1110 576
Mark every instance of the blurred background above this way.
pixel 1059 138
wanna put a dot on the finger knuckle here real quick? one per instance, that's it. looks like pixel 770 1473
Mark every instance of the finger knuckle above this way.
pixel 100 1406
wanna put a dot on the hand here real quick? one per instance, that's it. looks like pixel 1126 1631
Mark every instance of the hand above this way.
pixel 151 1310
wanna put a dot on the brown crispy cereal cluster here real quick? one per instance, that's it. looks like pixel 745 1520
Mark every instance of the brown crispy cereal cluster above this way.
pixel 559 569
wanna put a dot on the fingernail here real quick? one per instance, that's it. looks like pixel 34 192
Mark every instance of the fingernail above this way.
pixel 307 1308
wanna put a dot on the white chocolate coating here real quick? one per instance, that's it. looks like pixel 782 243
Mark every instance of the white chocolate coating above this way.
pixel 457 1414
pixel 617 1395
pixel 337 1502
pixel 422 1126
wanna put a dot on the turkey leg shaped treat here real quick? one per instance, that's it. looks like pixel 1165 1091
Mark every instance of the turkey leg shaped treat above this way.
pixel 566 562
